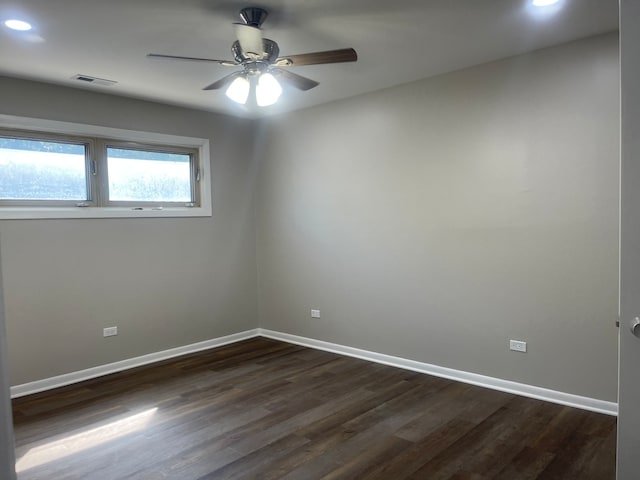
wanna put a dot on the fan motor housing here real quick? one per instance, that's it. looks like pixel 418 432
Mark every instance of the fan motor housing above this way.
pixel 270 52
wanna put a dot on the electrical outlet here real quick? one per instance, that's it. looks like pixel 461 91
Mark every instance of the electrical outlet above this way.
pixel 315 313
pixel 518 346
pixel 110 331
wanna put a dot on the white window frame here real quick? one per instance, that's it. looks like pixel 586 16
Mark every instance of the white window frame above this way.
pixel 122 136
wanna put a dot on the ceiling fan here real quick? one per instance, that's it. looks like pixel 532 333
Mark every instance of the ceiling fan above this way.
pixel 261 65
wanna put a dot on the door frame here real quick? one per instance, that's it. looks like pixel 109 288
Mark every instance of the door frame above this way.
pixel 628 441
pixel 7 444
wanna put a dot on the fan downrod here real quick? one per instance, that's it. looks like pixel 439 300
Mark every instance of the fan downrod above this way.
pixel 253 16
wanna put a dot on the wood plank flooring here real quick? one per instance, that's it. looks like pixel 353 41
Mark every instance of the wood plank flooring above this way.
pixel 262 409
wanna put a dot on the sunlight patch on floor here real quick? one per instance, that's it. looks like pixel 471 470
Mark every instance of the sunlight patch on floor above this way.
pixel 64 447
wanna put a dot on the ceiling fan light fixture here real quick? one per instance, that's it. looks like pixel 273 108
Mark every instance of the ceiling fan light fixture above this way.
pixel 268 90
pixel 238 91
pixel 262 69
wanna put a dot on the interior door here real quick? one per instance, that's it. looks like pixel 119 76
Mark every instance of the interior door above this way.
pixel 629 351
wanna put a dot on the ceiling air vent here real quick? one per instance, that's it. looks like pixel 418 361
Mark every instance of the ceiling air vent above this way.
pixel 93 80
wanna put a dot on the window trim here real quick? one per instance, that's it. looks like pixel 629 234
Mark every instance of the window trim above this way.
pixel 121 137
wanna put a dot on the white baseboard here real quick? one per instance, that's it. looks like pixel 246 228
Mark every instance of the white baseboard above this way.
pixel 89 373
pixel 562 398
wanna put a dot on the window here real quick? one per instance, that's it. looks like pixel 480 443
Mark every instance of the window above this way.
pixel 42 170
pixel 149 176
pixel 51 174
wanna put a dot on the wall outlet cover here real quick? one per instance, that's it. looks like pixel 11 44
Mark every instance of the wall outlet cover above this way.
pixel 110 331
pixel 518 346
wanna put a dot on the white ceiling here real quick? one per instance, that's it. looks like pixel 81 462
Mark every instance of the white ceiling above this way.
pixel 397 42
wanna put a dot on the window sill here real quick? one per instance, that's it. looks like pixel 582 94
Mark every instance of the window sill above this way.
pixel 27 213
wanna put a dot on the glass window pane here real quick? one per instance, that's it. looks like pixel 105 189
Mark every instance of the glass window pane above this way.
pixel 137 175
pixel 42 170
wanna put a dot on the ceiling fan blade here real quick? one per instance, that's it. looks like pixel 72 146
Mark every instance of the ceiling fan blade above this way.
pixel 316 58
pixel 250 39
pixel 223 82
pixel 293 79
pixel 226 63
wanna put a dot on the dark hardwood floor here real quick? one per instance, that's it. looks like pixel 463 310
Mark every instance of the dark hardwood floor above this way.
pixel 262 409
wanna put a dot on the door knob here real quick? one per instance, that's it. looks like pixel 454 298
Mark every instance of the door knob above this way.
pixel 635 326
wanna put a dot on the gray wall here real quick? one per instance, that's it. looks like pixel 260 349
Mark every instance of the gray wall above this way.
pixel 163 282
pixel 437 220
